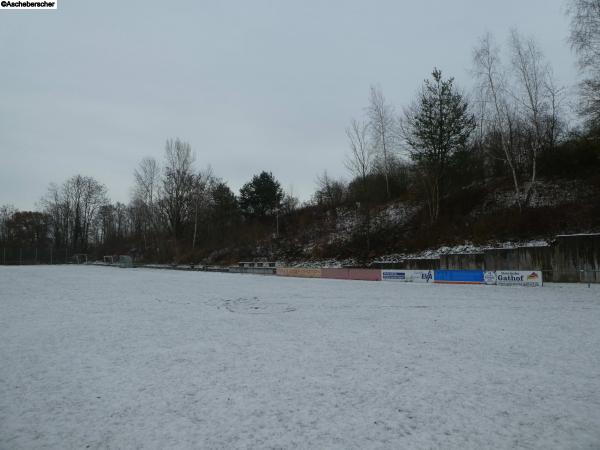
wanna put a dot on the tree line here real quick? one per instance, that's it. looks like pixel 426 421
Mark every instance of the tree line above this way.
pixel 513 126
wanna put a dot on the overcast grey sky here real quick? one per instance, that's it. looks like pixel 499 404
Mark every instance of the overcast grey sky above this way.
pixel 95 86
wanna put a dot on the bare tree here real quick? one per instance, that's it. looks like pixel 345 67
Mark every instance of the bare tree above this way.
pixel 6 213
pixel 73 209
pixel 86 196
pixel 530 71
pixel 500 116
pixel 520 105
pixel 146 193
pixel 330 192
pixel 290 202
pixel 201 193
pixel 54 205
pixel 178 185
pixel 538 100
pixel 555 127
pixel 360 162
pixel 585 31
pixel 585 41
pixel 382 129
pixel 147 180
pixel 94 196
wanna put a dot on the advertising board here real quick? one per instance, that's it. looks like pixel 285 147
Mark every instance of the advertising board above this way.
pixel 519 278
pixel 416 276
pixel 459 276
pixel 423 276
pixel 489 277
pixel 395 275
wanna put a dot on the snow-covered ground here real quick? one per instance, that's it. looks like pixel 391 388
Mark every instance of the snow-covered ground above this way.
pixel 101 357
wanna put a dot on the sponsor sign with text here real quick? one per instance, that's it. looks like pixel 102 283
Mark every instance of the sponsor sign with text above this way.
pixel 459 276
pixel 423 276
pixel 519 278
pixel 395 275
pixel 489 277
pixel 416 276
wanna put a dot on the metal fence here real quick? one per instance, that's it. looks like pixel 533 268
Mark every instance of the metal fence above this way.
pixel 28 256
pixel 587 276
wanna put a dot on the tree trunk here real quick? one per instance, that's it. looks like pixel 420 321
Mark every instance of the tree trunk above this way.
pixel 385 172
pixel 516 186
pixel 195 228
pixel 531 189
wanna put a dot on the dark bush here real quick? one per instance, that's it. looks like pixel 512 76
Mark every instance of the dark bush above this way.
pixel 574 159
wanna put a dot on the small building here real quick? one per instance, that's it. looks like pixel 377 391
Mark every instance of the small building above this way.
pixel 256 267
pixel 258 264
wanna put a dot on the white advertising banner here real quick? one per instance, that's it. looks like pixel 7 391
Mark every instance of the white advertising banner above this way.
pixel 395 275
pixel 519 278
pixel 423 276
pixel 489 277
pixel 416 276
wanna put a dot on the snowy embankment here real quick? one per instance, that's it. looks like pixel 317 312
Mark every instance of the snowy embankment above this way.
pixel 137 358
pixel 433 253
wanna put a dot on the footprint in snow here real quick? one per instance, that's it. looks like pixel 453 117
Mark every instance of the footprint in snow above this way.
pixel 255 306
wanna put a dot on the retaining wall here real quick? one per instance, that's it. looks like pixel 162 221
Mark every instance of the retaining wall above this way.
pixel 574 253
pixel 571 258
pixel 254 270
pixel 298 272
pixel 411 264
pixel 462 261
pixel 352 274
pixel 520 258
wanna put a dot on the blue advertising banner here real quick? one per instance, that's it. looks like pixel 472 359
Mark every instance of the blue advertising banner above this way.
pixel 458 276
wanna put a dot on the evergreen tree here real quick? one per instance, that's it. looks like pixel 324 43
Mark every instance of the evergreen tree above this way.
pixel 261 196
pixel 437 126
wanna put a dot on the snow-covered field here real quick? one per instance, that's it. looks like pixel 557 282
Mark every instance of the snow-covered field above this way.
pixel 99 357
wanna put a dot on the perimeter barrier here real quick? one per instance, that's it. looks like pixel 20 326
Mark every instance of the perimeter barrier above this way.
pixel 414 276
pixel 532 278
pixel 458 276
pixel 35 255
pixel 499 277
pixel 351 274
pixel 253 270
pixel 299 272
